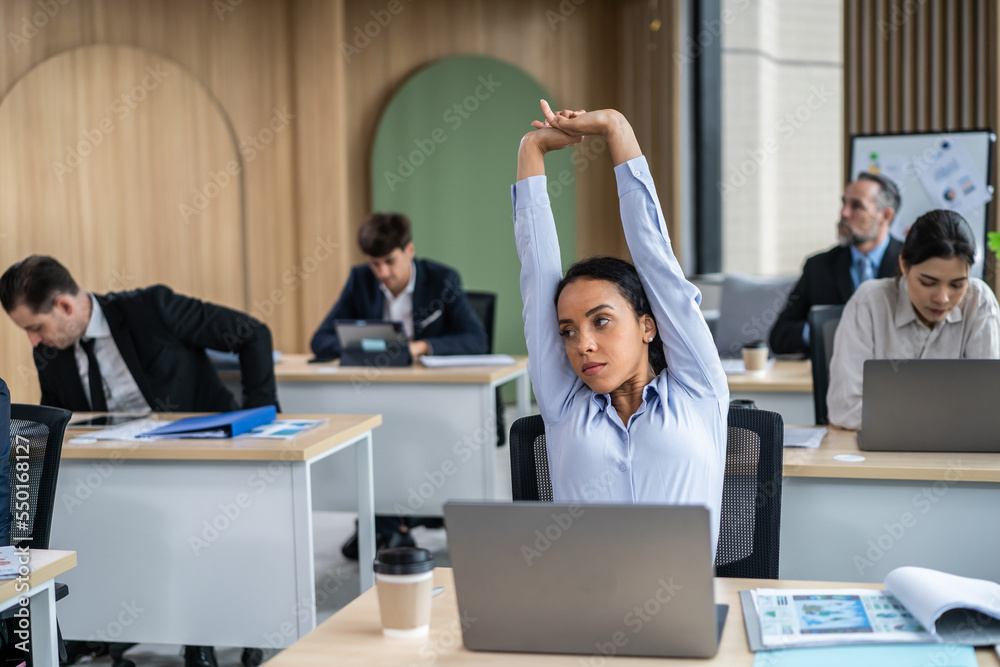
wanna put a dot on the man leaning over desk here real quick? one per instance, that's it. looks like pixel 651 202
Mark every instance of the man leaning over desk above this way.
pixel 134 351
pixel 425 296
pixel 866 251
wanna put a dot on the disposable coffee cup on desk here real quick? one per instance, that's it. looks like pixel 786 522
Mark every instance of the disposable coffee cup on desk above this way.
pixel 755 357
pixel 404 577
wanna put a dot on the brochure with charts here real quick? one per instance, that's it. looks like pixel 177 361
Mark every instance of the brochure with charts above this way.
pixel 918 605
pixel 10 563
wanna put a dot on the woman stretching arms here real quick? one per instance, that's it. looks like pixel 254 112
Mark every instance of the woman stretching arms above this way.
pixel 633 396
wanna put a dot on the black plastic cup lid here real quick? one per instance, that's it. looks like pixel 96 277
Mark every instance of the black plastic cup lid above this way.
pixel 755 344
pixel 403 560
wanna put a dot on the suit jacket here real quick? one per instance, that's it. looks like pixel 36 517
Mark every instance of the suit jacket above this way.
pixel 441 314
pixel 826 281
pixel 162 337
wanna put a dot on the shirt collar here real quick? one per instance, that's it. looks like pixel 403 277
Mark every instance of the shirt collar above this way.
pixel 874 255
pixel 905 312
pixel 603 401
pixel 98 325
pixel 410 286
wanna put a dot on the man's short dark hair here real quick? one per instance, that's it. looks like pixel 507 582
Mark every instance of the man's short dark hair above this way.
pixel 35 281
pixel 888 193
pixel 381 233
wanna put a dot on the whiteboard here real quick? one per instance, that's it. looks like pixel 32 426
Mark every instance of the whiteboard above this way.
pixel 910 160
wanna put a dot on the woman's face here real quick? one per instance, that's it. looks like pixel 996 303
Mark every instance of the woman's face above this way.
pixel 936 286
pixel 605 343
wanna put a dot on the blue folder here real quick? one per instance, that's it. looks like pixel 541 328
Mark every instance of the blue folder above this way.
pixel 233 423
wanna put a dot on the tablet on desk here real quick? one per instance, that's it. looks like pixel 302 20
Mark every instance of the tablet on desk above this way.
pixel 111 419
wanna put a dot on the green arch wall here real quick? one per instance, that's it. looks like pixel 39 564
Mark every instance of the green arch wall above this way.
pixel 450 169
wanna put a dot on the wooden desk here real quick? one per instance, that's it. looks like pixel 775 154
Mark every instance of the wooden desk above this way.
pixel 438 438
pixel 353 636
pixel 849 520
pixel 211 539
pixel 46 566
pixel 785 389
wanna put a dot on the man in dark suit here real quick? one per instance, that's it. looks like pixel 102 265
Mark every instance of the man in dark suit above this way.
pixel 134 351
pixel 425 296
pixel 866 251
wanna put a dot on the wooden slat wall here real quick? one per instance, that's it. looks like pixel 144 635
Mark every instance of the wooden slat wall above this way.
pixel 305 192
pixel 921 67
pixel 652 97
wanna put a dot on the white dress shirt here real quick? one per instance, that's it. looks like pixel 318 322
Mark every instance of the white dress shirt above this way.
pixel 400 308
pixel 120 390
pixel 673 449
pixel 879 323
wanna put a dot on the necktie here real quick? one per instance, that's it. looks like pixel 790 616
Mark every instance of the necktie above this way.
pixel 97 401
pixel 865 270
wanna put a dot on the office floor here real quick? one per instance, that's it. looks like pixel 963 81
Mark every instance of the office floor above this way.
pixel 336 577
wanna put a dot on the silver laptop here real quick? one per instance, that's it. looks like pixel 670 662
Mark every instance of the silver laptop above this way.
pixel 930 405
pixel 585 579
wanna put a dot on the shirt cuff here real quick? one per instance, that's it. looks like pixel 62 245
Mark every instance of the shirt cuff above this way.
pixel 633 175
pixel 529 192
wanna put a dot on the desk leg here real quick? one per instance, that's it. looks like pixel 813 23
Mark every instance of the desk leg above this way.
pixel 44 650
pixel 305 567
pixel 523 395
pixel 366 512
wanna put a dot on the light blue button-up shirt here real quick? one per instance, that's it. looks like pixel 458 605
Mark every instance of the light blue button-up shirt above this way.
pixel 874 257
pixel 673 449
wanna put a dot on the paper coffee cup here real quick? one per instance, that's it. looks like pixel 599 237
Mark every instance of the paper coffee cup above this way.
pixel 755 356
pixel 404 578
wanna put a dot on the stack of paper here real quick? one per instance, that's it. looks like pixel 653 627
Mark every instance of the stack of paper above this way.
pixel 809 437
pixel 444 361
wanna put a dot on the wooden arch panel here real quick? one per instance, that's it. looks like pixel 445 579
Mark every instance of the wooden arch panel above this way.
pixel 121 165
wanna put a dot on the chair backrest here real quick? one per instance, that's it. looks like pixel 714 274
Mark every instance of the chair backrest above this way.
pixel 751 492
pixel 823 321
pixel 748 309
pixel 485 305
pixel 36 438
pixel 751 495
pixel 529 460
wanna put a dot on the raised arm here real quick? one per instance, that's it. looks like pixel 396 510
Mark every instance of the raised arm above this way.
pixel 551 375
pixel 692 358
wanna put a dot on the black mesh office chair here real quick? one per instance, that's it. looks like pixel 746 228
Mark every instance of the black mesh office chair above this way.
pixel 751 494
pixel 823 321
pixel 485 305
pixel 36 436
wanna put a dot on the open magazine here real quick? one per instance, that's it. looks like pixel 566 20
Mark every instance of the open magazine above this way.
pixel 919 605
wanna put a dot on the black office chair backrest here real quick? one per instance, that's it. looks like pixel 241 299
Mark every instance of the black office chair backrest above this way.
pixel 485 305
pixel 529 460
pixel 750 522
pixel 36 438
pixel 823 321
pixel 751 491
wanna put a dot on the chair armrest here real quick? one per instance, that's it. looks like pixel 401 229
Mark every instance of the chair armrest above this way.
pixel 62 590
